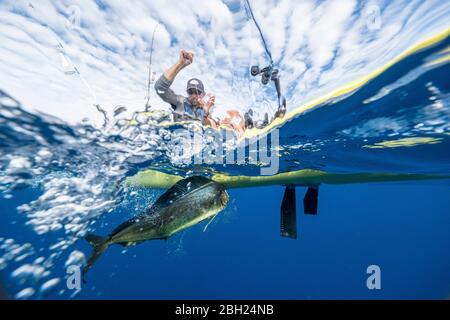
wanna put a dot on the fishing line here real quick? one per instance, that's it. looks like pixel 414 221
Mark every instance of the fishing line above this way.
pixel 66 60
pixel 260 32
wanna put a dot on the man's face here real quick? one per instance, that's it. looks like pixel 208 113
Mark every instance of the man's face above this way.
pixel 194 97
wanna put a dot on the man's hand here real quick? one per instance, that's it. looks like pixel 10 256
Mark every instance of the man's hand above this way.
pixel 207 120
pixel 209 104
pixel 186 58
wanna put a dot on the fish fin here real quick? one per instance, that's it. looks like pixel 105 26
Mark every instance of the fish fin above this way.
pixel 209 222
pixel 177 191
pixel 99 245
pixel 123 244
pixel 93 239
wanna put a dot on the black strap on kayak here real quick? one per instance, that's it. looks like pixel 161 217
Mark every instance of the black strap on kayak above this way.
pixel 310 201
pixel 288 214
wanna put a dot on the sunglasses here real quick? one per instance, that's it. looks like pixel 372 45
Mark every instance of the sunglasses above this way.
pixel 194 91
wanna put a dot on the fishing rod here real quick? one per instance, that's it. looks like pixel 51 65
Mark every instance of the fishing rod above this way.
pixel 150 68
pixel 270 72
pixel 260 32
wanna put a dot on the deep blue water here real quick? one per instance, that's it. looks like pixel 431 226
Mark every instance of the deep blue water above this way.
pixel 69 178
pixel 401 227
pixel 242 256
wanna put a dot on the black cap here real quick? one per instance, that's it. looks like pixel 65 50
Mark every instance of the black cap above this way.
pixel 197 84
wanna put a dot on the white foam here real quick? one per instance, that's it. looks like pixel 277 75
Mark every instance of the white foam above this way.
pixel 75 258
pixel 49 285
pixel 25 294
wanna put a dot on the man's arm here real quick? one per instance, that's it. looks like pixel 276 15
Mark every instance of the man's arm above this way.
pixel 184 60
pixel 207 118
pixel 162 86
pixel 207 121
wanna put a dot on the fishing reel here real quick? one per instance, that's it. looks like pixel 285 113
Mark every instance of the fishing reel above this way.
pixel 268 73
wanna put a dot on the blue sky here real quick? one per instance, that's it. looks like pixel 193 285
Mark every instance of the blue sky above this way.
pixel 318 46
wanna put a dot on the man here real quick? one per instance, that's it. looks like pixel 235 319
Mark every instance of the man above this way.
pixel 192 107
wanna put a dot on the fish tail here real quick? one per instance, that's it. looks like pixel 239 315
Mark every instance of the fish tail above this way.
pixel 99 245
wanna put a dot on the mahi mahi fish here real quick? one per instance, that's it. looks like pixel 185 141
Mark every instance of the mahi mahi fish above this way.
pixel 185 204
